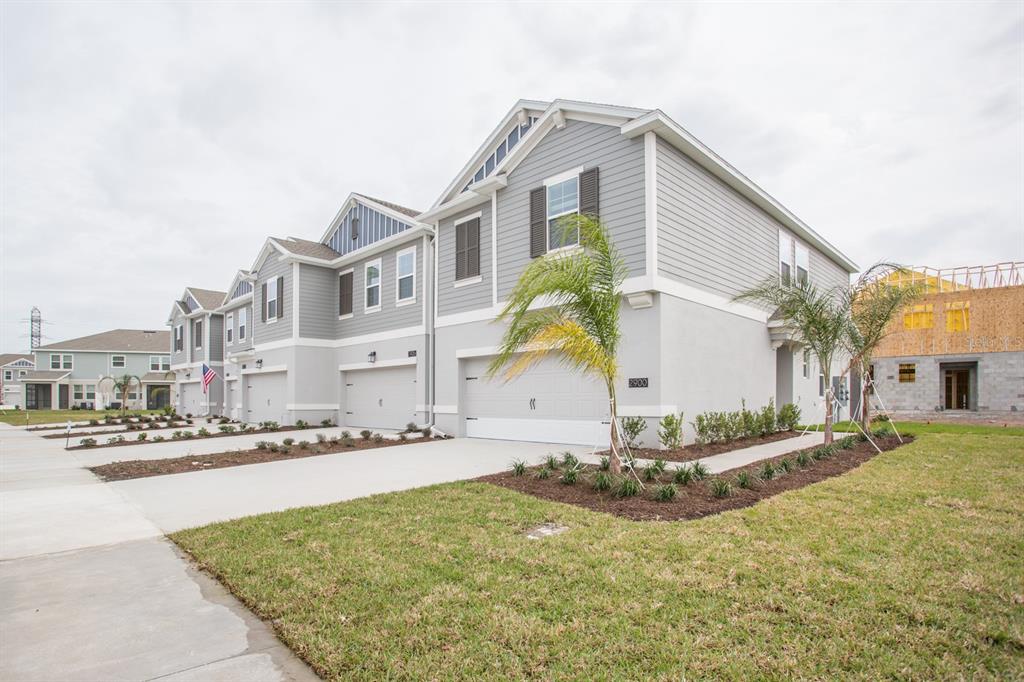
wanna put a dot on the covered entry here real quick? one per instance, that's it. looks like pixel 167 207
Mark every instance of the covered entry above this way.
pixel 547 404
pixel 959 385
pixel 380 398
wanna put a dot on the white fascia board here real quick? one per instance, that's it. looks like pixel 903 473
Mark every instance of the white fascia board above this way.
pixel 272 369
pixel 400 362
pixel 476 195
pixel 240 276
pixel 310 406
pixel 359 254
pixel 657 122
pixel 269 246
pixel 356 198
pixel 244 298
pixel 404 332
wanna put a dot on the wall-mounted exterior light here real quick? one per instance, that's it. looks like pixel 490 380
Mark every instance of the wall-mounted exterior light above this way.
pixel 372 357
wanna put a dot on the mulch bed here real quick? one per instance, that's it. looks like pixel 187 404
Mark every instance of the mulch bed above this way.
pixel 142 468
pixel 688 453
pixel 82 426
pixel 695 500
pixel 144 427
pixel 131 436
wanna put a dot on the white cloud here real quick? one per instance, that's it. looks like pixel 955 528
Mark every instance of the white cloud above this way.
pixel 164 142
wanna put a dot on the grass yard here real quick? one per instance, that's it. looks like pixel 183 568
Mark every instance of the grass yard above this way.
pixel 18 417
pixel 910 567
pixel 932 427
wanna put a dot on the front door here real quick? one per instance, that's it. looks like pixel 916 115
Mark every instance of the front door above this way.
pixel 958 383
pixel 157 397
pixel 62 396
pixel 37 396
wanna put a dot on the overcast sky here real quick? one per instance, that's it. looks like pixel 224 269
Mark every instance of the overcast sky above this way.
pixel 151 146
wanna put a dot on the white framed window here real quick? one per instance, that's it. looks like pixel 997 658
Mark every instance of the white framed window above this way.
pixel 229 331
pixel 197 334
pixel 79 392
pixel 242 319
pixel 179 338
pixel 807 364
pixel 159 363
pixel 117 361
pixel 563 199
pixel 405 276
pixel 785 258
pixel 90 391
pixel 59 361
pixel 8 375
pixel 371 274
pixel 22 372
pixel 803 260
pixel 272 299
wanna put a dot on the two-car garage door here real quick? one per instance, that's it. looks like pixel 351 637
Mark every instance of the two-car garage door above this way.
pixel 548 403
pixel 381 398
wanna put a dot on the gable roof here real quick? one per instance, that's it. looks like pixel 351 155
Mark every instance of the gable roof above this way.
pixel 8 358
pixel 126 340
pixel 240 276
pixel 304 247
pixel 400 213
pixel 411 212
pixel 632 122
pixel 208 299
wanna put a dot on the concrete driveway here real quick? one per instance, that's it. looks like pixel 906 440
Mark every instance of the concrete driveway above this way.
pixel 91 590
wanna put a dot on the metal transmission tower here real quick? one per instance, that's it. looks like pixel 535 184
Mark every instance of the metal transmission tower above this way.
pixel 36 325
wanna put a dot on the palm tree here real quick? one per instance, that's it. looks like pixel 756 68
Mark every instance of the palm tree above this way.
pixel 580 292
pixel 873 300
pixel 820 317
pixel 122 385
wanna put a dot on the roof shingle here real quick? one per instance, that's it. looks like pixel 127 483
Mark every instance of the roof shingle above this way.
pixel 130 340
pixel 208 298
pixel 404 210
pixel 6 358
pixel 304 247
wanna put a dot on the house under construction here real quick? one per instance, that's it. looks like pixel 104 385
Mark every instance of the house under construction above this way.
pixel 959 347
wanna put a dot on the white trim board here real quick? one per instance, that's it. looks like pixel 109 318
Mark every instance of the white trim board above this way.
pixel 446 409
pixel 265 370
pixel 402 333
pixel 310 406
pixel 400 362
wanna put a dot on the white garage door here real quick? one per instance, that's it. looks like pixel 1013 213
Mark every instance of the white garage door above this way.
pixel 546 404
pixel 189 397
pixel 265 395
pixel 383 398
pixel 231 399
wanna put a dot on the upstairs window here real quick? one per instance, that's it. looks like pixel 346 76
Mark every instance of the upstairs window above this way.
pixel 345 293
pixel 920 316
pixel 803 258
pixel 243 318
pixel 159 363
pixel 229 332
pixel 117 361
pixel 372 278
pixel 197 334
pixel 467 248
pixel 59 361
pixel 272 299
pixel 785 259
pixel 958 316
pixel 8 375
pixel 406 275
pixel 563 200
pixel 179 338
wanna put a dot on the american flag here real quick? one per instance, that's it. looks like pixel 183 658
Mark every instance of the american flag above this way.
pixel 208 376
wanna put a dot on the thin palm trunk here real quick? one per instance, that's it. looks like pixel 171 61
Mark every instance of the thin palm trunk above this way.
pixel 614 438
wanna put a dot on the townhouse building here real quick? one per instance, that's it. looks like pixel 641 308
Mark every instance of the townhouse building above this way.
pixel 197 339
pixel 389 317
pixel 76 372
pixel 13 366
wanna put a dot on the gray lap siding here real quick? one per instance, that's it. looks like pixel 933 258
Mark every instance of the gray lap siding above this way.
pixel 390 316
pixel 621 190
pixel 318 302
pixel 237 344
pixel 452 299
pixel 280 328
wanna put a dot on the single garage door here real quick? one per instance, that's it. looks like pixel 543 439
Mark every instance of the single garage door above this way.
pixel 231 399
pixel 189 397
pixel 265 397
pixel 383 398
pixel 547 404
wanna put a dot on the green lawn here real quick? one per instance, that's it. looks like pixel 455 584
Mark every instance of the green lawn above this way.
pixel 933 427
pixel 910 567
pixel 18 417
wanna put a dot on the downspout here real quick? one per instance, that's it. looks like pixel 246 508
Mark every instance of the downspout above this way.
pixel 432 331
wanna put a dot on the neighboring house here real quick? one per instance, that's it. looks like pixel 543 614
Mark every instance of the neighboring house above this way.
pixel 13 366
pixel 196 339
pixel 72 372
pixel 959 347
pixel 389 317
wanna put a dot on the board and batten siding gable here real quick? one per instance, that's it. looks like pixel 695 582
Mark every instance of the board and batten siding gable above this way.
pixel 389 316
pixel 712 238
pixel 372 227
pixel 452 299
pixel 318 302
pixel 281 328
pixel 621 190
pixel 236 345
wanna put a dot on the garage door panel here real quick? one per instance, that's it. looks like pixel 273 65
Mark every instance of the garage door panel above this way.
pixel 266 397
pixel 381 398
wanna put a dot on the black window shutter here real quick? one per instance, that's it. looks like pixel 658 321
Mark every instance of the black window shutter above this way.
pixel 345 294
pixel 538 222
pixel 280 297
pixel 460 251
pixel 263 303
pixel 355 227
pixel 589 192
pixel 473 248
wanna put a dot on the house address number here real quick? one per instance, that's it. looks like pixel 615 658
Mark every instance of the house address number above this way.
pixel 638 382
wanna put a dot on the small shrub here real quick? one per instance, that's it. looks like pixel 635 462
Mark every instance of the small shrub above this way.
pixel 87 442
pixel 224 420
pixel 327 423
pixel 412 427
pixel 650 473
pixel 720 487
pixel 273 447
pixel 627 486
pixel 303 445
pixel 766 472
pixel 115 439
pixel 670 431
pixel 744 480
pixel 141 436
pixel 188 415
pixel 602 481
pixel 188 421
pixel 883 432
pixel 605 464
pixel 426 432
pixel 803 460
pixel 301 424
pixel 660 465
pixel 789 417
pixel 569 476
pixel 700 471
pixel 158 439
pixel 786 465
pixel 346 434
pixel 187 435
pixel 204 432
pixel 226 428
pixel 285 449
pixel 366 434
pixel 321 438
pixel 288 441
pixel 543 473
pixel 334 440
pixel 551 462
pixel 569 460
pixel 819 452
pixel 518 467
pixel 632 427
pixel 683 475
pixel 666 492
pixel 847 442
pixel 154 425
pixel 348 442
pixel 879 418
pixel 262 445
pixel 94 422
pixel 768 418
pixel 403 437
pixel 378 438
pixel 702 428
pixel 175 435
pixel 270 425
